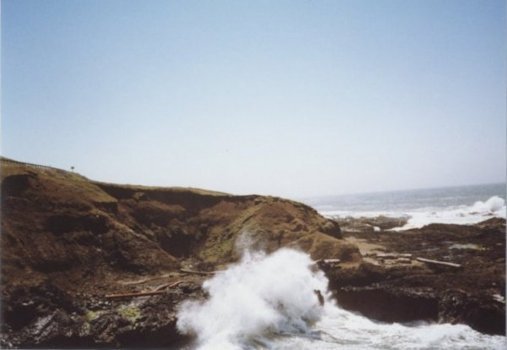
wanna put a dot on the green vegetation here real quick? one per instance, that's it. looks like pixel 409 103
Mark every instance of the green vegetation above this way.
pixel 129 312
pixel 92 315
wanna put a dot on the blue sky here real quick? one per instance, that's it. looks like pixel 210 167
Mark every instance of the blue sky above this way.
pixel 290 98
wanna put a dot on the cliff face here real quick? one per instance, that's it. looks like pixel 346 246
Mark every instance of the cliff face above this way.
pixel 56 221
pixel 82 237
pixel 68 243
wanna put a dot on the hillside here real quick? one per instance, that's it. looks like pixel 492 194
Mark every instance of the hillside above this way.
pixel 92 264
pixel 65 237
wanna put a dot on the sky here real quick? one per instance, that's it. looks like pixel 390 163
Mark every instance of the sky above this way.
pixel 289 98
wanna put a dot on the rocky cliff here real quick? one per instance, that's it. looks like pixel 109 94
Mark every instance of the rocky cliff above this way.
pixel 67 242
pixel 91 264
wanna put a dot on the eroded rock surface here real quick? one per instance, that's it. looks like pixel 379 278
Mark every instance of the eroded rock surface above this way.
pixel 391 285
pixel 67 242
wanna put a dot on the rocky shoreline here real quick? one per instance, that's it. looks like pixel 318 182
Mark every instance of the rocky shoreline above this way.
pixel 88 264
pixel 392 285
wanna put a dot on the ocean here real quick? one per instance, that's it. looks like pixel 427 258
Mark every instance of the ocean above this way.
pixel 268 301
pixel 452 205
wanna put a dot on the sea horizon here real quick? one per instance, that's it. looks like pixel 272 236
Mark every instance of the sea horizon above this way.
pixel 414 189
pixel 452 205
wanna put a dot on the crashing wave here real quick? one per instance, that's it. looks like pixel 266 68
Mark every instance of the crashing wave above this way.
pixel 462 215
pixel 269 302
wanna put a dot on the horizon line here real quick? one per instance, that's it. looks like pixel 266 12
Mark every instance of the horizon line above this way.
pixel 3 157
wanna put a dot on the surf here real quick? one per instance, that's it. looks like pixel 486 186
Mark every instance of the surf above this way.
pixel 269 301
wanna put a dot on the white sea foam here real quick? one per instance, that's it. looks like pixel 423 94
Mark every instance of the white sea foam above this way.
pixel 463 214
pixel 492 206
pixel 250 301
pixel 340 329
pixel 268 302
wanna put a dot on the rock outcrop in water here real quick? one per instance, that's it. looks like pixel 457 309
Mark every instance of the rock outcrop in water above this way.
pixel 391 285
pixel 67 242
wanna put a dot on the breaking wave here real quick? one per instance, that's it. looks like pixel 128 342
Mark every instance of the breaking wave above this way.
pixel 417 218
pixel 465 215
pixel 261 296
pixel 272 302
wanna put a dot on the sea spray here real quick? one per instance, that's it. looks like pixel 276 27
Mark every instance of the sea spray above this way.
pixel 494 206
pixel 269 302
pixel 261 296
pixel 464 214
pixel 421 208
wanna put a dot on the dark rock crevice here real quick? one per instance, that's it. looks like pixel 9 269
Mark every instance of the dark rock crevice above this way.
pixel 389 306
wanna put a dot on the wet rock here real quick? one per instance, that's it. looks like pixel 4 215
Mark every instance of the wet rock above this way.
pixel 406 290
pixel 480 311
pixel 332 228
pixel 370 224
pixel 389 305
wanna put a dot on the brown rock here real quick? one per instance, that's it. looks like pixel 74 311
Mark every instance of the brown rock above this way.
pixel 62 232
